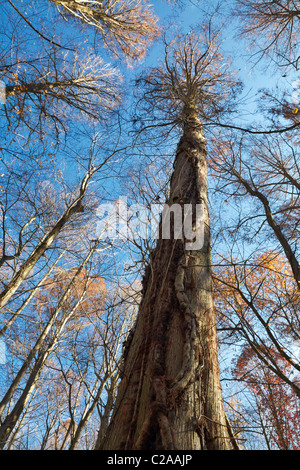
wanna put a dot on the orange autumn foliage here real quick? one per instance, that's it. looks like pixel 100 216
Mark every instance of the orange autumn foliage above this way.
pixel 127 27
pixel 88 290
pixel 278 404
pixel 267 280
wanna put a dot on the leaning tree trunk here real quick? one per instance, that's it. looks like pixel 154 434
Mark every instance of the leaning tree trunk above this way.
pixel 170 395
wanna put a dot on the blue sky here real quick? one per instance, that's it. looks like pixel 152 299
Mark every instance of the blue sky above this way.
pixel 2 352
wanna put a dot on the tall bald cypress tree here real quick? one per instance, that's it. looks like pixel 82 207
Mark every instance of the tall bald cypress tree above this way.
pixel 170 395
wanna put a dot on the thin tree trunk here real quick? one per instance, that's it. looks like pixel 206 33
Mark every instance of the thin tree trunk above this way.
pixel 170 395
pixel 40 341
pixel 45 243
pixel 17 428
pixel 9 422
pixel 90 407
pixel 288 250
pixel 104 418
pixel 29 298
pixel 11 419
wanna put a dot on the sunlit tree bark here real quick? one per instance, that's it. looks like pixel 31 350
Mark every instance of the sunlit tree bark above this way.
pixel 170 395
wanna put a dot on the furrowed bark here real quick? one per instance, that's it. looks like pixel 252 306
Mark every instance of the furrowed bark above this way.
pixel 170 395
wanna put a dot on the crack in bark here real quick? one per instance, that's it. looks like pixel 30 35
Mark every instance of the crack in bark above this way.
pixel 185 374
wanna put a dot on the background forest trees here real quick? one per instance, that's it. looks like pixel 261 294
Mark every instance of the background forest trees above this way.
pixel 74 135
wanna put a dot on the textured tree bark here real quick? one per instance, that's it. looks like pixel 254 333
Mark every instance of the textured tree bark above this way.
pixel 170 395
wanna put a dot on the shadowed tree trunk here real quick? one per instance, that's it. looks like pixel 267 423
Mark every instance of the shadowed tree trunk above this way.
pixel 170 395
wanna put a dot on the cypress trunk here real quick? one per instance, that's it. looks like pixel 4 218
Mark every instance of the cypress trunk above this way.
pixel 170 395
